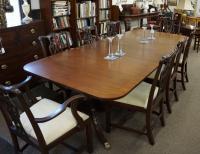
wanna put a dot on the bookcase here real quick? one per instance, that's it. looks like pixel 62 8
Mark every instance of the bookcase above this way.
pixel 69 15
pixel 104 15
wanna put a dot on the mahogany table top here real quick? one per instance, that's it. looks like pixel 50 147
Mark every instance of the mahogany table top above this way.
pixel 85 69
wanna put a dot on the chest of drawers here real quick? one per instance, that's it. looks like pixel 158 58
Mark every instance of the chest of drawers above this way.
pixel 21 47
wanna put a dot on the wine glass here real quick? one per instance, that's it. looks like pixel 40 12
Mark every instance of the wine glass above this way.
pixel 110 55
pixel 152 32
pixel 144 39
pixel 120 51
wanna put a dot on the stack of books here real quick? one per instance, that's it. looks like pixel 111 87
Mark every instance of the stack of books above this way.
pixel 104 15
pixel 86 9
pixel 61 22
pixel 103 4
pixel 62 40
pixel 61 8
pixel 103 28
pixel 86 22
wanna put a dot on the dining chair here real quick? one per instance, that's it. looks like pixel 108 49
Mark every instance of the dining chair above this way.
pixel 52 44
pixel 172 80
pixel 145 98
pixel 167 25
pixel 197 39
pixel 55 42
pixel 170 25
pixel 183 63
pixel 113 28
pixel 41 122
pixel 87 35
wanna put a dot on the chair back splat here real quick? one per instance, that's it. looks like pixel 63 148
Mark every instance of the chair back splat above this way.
pixel 87 35
pixel 161 78
pixel 187 48
pixel 55 42
pixel 113 28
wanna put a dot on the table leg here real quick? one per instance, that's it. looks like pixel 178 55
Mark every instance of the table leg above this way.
pixel 99 130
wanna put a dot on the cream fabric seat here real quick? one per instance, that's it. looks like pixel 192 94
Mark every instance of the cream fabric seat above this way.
pixel 139 96
pixel 54 128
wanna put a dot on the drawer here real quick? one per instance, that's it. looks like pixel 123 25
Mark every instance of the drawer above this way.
pixel 12 76
pixel 32 56
pixel 12 53
pixel 30 42
pixel 34 29
pixel 9 38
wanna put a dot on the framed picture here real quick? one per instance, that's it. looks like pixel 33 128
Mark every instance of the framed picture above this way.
pixel 172 2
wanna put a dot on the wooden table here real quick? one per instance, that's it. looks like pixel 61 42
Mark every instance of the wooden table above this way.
pixel 85 69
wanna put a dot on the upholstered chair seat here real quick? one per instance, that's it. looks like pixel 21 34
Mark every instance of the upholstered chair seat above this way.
pixel 54 128
pixel 139 96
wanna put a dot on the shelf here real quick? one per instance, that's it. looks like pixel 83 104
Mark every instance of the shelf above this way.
pixel 104 20
pixel 60 29
pixel 61 15
pixel 101 9
pixel 85 17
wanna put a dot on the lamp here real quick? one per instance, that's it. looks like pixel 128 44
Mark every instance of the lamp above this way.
pixel 26 10
pixel 119 4
pixel 185 5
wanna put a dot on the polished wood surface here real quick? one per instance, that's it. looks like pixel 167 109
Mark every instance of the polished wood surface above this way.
pixel 139 16
pixel 85 69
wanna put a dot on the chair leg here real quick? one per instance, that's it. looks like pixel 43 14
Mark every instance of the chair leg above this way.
pixel 168 100
pixel 149 130
pixel 186 73
pixel 162 116
pixel 175 89
pixel 182 78
pixel 194 43
pixel 89 137
pixel 198 45
pixel 108 118
pixel 15 143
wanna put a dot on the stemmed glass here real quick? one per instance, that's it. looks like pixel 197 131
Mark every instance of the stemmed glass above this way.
pixel 151 37
pixel 120 51
pixel 144 39
pixel 110 55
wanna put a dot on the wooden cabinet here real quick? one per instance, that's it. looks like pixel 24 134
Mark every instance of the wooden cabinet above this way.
pixel 21 47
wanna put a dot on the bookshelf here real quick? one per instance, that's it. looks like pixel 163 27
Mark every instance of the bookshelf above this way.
pixel 68 15
pixel 86 13
pixel 104 15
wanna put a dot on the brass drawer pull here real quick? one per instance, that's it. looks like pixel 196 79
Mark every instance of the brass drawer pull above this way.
pixel 34 43
pixel 33 31
pixel 36 57
pixel 4 67
pixel 7 83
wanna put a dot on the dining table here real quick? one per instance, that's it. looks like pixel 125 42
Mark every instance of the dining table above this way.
pixel 85 69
